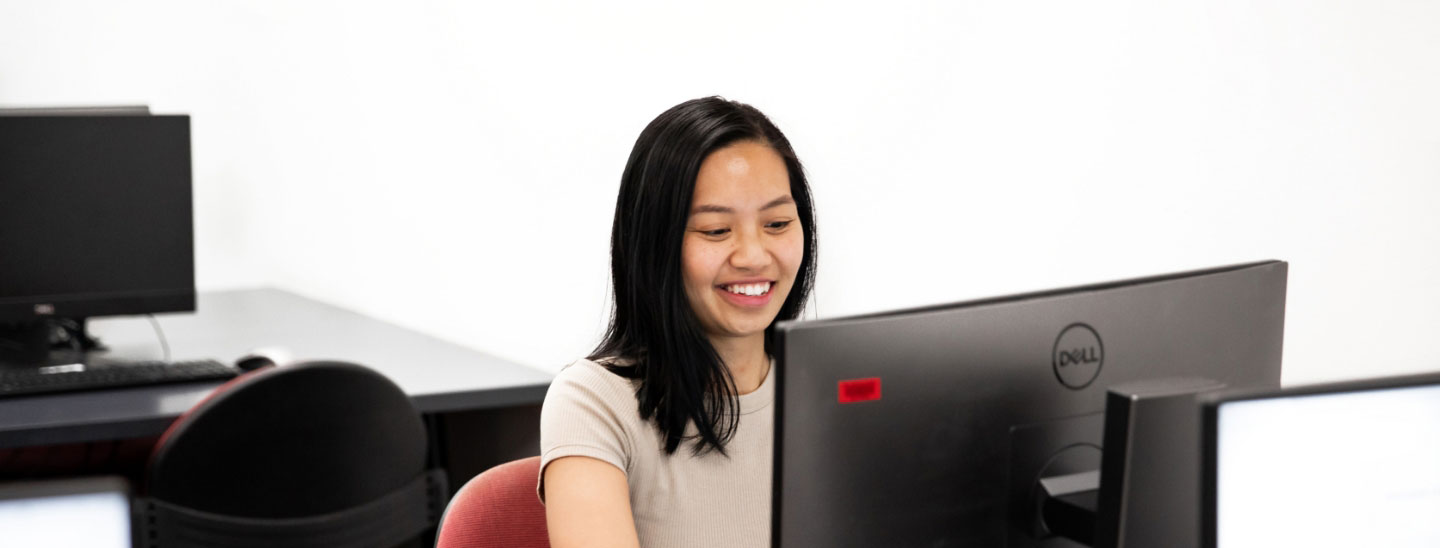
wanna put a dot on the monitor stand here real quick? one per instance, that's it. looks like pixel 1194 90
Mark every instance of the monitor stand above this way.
pixel 1145 490
pixel 43 341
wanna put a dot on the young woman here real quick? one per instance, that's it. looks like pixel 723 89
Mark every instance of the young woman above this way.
pixel 663 437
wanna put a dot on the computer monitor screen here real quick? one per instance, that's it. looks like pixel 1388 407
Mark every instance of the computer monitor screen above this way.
pixel 90 512
pixel 931 427
pixel 95 216
pixel 1349 464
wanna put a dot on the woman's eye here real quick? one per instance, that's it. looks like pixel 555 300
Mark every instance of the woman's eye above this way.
pixel 716 232
pixel 778 225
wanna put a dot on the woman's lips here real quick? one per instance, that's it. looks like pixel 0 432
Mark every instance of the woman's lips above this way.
pixel 730 294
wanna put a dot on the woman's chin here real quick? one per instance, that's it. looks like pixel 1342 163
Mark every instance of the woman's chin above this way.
pixel 741 330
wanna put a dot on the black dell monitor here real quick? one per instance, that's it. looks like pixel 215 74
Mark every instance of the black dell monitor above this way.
pixel 1353 463
pixel 95 220
pixel 933 426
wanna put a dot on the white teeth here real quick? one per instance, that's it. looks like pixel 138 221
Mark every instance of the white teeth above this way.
pixel 749 289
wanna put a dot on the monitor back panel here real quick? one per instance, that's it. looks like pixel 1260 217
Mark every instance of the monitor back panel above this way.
pixel 925 459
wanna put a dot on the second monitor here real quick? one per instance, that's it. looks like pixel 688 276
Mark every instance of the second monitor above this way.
pixel 931 427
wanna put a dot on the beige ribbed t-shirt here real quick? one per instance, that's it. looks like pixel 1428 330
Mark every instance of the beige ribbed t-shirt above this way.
pixel 679 500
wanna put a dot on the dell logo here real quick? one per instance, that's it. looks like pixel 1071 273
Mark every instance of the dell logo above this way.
pixel 1077 356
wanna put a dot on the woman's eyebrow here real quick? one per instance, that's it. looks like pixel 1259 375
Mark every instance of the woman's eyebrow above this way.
pixel 708 208
pixel 786 199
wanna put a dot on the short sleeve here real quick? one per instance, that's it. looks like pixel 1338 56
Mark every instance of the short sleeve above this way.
pixel 582 416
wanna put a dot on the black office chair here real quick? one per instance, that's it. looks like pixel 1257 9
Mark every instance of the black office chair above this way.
pixel 314 454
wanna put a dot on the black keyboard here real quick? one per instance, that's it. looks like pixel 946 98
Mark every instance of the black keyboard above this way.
pixel 18 381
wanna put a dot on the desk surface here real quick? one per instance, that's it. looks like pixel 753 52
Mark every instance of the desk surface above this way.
pixel 438 375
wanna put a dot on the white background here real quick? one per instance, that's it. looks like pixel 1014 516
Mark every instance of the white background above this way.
pixel 452 166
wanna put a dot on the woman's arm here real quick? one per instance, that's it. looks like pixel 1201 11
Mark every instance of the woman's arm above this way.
pixel 587 504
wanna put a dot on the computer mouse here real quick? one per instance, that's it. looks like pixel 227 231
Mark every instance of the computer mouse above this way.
pixel 269 356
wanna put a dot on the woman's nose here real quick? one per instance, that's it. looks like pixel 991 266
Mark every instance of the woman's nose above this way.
pixel 749 252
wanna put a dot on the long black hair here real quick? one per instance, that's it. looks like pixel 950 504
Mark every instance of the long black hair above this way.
pixel 682 378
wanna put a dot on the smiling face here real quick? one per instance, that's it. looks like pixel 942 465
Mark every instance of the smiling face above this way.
pixel 743 242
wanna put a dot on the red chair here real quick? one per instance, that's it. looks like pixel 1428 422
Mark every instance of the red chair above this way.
pixel 498 508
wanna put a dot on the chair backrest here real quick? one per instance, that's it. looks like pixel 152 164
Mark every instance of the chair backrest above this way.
pixel 498 508
pixel 311 454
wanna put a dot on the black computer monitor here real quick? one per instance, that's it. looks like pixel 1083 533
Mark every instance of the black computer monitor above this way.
pixel 932 426
pixel 1345 464
pixel 95 220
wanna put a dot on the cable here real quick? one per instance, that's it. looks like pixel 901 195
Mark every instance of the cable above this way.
pixel 164 345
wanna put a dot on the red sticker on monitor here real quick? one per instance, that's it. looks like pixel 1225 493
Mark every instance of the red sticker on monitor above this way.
pixel 858 390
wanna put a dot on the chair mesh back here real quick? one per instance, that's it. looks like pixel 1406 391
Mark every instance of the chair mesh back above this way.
pixel 295 441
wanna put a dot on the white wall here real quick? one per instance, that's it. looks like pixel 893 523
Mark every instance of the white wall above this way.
pixel 451 166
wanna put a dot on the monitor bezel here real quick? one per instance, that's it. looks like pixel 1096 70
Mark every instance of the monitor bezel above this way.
pixel 83 305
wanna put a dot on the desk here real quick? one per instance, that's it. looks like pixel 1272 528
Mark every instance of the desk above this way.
pixel 442 378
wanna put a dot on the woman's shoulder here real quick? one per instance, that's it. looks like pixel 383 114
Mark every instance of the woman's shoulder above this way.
pixel 599 378
pixel 589 411
pixel 598 369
